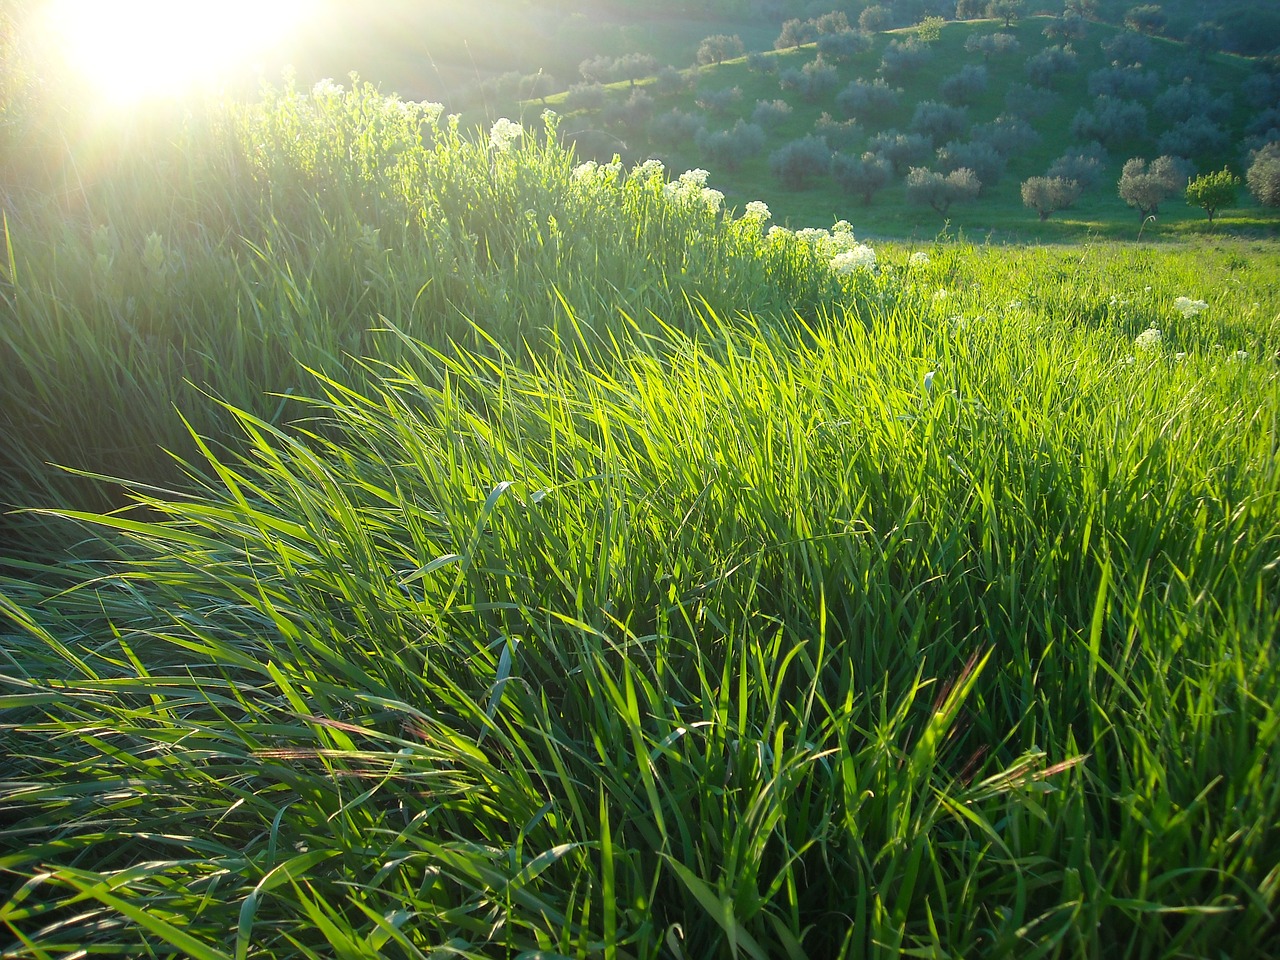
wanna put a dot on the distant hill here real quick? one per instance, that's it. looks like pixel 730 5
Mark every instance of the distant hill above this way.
pixel 938 101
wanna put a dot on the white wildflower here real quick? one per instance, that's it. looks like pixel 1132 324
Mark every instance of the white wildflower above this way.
pixel 919 259
pixel 697 177
pixel 1148 339
pixel 326 88
pixel 778 233
pixel 1180 356
pixel 649 170
pixel 1240 355
pixel 1188 307
pixel 861 257
pixel 503 133
pixel 940 294
pixel 756 210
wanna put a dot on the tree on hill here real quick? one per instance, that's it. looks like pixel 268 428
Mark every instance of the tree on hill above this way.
pixel 904 57
pixel 845 45
pixel 1006 10
pixel 1043 66
pixel 1147 18
pixel 719 48
pixel 728 148
pixel 1212 192
pixel 868 101
pixel 970 9
pixel 633 66
pixel 1204 38
pixel 875 18
pixel 965 86
pixel 1069 26
pixel 991 44
pixel 797 162
pixel 938 121
pixel 1145 186
pixel 902 150
pixel 795 33
pixel 584 96
pixel 1082 8
pixel 928 187
pixel 1048 194
pixel 1126 49
pixel 834 22
pixel 597 69
pixel 839 134
pixel 861 176
pixel 538 86
pixel 1083 165
pixel 1263 175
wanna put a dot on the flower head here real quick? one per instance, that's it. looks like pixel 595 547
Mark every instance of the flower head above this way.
pixel 649 170
pixel 919 259
pixel 326 88
pixel 503 133
pixel 756 210
pixel 861 257
pixel 1148 339
pixel 1188 307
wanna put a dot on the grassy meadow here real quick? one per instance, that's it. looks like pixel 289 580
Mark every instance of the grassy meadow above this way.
pixel 424 544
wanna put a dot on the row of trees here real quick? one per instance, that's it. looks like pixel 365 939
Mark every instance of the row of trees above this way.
pixel 1145 185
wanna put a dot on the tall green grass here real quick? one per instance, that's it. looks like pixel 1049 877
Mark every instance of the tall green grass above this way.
pixel 216 251
pixel 650 591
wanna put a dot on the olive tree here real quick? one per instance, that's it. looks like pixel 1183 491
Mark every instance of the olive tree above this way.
pixel 1263 175
pixel 720 47
pixel 1144 186
pixel 1048 194
pixel 930 188
pixel 861 176
pixel 797 162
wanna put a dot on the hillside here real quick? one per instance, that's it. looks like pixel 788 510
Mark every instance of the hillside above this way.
pixel 663 119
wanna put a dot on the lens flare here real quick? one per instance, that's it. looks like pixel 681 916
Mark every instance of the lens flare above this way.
pixel 133 50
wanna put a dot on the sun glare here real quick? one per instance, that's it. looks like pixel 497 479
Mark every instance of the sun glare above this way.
pixel 133 50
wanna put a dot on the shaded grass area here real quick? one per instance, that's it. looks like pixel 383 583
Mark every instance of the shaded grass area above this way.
pixel 624 579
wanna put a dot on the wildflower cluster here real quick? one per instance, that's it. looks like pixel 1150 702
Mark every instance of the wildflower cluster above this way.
pixel 838 247
pixel 756 210
pixel 690 189
pixel 648 170
pixel 860 257
pixel 599 174
pixel 1188 307
pixel 504 133
pixel 1148 339
pixel 918 259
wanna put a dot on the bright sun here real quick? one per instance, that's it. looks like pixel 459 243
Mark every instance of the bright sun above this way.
pixel 131 50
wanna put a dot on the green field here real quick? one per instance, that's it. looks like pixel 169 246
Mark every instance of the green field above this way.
pixel 423 544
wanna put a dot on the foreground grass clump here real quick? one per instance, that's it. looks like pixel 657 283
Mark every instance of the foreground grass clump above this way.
pixel 211 253
pixel 905 630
